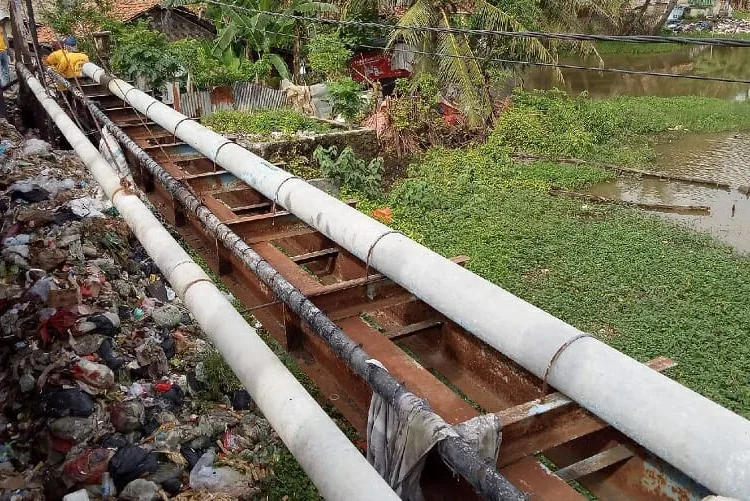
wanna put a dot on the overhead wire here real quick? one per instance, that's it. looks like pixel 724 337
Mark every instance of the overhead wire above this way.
pixel 516 62
pixel 575 37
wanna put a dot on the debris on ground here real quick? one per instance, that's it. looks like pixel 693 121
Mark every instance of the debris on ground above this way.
pixel 109 386
pixel 725 26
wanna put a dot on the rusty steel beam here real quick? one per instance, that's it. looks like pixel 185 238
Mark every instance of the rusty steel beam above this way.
pixel 454 450
pixel 595 463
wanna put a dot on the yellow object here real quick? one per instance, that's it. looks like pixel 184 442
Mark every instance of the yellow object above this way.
pixel 67 64
pixel 3 45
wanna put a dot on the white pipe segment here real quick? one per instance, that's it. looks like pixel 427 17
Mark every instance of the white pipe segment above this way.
pixel 706 441
pixel 331 461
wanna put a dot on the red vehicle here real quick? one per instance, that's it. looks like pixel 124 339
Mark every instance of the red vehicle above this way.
pixel 371 66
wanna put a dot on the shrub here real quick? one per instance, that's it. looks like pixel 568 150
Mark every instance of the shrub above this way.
pixel 328 55
pixel 344 96
pixel 348 170
pixel 142 52
pixel 264 122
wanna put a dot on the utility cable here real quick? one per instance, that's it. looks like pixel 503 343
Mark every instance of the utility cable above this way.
pixel 575 37
pixel 518 62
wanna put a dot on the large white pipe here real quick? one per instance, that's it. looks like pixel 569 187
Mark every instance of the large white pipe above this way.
pixel 334 465
pixel 706 441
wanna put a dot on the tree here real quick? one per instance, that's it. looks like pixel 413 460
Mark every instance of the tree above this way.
pixel 261 27
pixel 462 61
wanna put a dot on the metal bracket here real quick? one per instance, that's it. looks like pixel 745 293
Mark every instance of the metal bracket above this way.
pixel 275 200
pixel 369 251
pixel 216 153
pixel 554 359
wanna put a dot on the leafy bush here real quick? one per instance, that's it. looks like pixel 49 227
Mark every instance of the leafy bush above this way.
pixel 264 122
pixel 220 378
pixel 207 71
pixel 552 123
pixel 344 96
pixel 142 52
pixel 349 170
pixel 328 55
pixel 546 122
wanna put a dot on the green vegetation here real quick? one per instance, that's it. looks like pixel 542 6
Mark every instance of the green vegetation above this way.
pixel 219 376
pixel 345 98
pixel 617 131
pixel 328 55
pixel 349 170
pixel 263 123
pixel 609 48
pixel 142 52
pixel 645 286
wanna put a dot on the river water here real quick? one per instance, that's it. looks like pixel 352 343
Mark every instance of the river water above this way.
pixel 723 157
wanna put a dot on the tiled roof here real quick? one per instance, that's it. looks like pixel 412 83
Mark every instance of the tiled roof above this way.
pixel 45 34
pixel 123 10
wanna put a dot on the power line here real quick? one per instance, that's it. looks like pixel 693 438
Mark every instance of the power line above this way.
pixel 573 66
pixel 528 63
pixel 576 37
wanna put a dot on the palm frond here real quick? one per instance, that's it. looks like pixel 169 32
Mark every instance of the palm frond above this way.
pixel 458 66
pixel 315 7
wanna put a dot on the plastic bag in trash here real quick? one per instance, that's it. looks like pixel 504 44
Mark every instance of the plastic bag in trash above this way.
pixel 67 402
pixel 241 400
pixel 93 374
pixel 79 495
pixel 106 323
pixel 107 352
pixel 59 323
pixel 28 192
pixel 128 416
pixel 131 462
pixel 77 429
pixel 88 466
pixel 223 479
pixel 140 490
pixel 167 316
pixel 35 148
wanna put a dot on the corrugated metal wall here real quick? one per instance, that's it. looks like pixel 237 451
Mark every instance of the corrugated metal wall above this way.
pixel 245 96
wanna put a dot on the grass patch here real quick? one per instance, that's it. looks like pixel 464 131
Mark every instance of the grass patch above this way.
pixel 264 123
pixel 620 130
pixel 617 47
pixel 645 286
pixel 613 47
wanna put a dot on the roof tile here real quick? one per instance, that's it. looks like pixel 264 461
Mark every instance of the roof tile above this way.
pixel 123 10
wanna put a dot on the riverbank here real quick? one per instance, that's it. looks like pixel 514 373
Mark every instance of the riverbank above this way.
pixel 645 286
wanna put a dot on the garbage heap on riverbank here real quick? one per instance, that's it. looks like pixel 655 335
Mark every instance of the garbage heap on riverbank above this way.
pixel 719 27
pixel 108 387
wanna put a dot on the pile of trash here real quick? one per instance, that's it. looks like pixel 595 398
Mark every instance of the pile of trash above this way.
pixel 726 26
pixel 106 387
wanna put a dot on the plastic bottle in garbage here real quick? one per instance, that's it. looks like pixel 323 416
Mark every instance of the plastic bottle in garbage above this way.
pixel 107 486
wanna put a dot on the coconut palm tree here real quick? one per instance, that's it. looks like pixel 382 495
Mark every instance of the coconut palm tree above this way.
pixel 462 60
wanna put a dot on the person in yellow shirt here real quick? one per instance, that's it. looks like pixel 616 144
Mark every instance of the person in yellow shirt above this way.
pixel 65 61
pixel 4 59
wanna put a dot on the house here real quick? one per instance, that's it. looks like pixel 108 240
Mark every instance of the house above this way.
pixel 177 23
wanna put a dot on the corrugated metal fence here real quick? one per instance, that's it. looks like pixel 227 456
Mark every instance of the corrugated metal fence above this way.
pixel 245 96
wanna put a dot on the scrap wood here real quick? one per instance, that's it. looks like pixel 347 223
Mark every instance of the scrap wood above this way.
pixel 683 209
pixel 628 170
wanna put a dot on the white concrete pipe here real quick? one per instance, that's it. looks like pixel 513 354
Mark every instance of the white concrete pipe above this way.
pixel 706 441
pixel 335 466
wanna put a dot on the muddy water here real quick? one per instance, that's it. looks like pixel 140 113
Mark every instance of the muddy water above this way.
pixel 725 62
pixel 716 157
